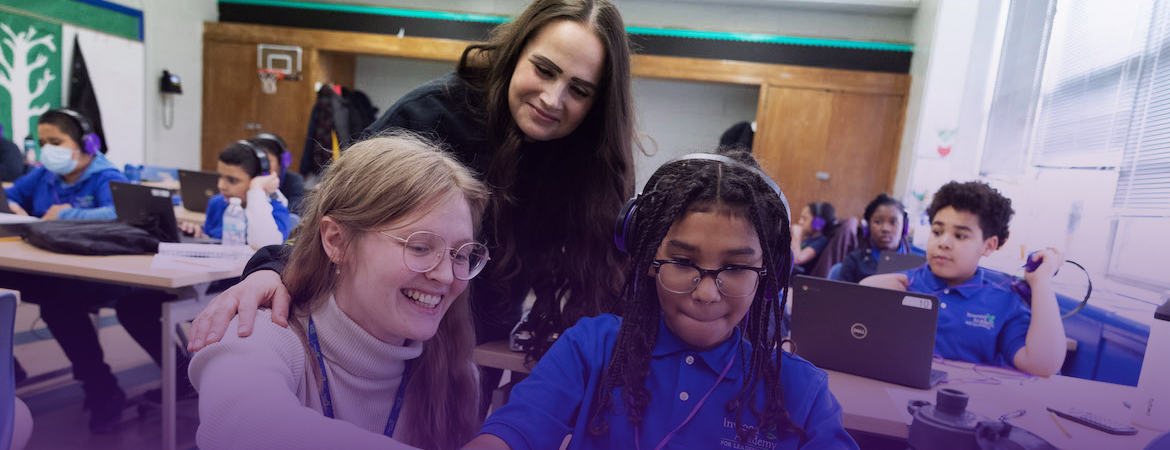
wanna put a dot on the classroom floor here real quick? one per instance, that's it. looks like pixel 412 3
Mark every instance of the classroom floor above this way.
pixel 59 423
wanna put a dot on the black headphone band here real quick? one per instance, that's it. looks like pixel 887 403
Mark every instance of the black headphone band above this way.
pixel 723 159
pixel 274 138
pixel 261 156
pixel 82 122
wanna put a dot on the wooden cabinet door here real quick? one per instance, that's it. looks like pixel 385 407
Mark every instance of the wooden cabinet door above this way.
pixel 235 107
pixel 822 145
pixel 230 86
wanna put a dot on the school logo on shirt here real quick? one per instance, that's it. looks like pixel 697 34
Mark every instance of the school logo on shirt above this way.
pixel 754 441
pixel 985 321
pixel 84 201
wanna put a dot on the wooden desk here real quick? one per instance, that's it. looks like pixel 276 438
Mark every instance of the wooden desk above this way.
pixel 185 215
pixel 133 270
pixel 868 406
pixel 498 355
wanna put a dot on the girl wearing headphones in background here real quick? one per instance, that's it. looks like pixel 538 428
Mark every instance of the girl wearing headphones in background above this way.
pixel 885 230
pixel 811 234
pixel 292 184
pixel 73 181
pixel 690 363
pixel 245 173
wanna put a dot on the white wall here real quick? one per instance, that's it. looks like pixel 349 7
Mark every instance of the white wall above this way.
pixel 174 41
pixel 385 79
pixel 678 117
pixel 115 67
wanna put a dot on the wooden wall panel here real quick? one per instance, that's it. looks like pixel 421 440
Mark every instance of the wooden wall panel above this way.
pixel 229 84
pixel 862 149
pixel 791 147
pixel 337 68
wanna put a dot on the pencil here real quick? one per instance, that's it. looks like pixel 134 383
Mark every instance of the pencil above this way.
pixel 191 263
pixel 10 239
pixel 1054 419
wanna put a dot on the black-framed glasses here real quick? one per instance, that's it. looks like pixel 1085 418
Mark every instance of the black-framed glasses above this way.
pixel 681 277
pixel 423 251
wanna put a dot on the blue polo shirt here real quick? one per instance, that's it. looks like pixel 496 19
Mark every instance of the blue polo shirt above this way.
pixel 980 321
pixel 556 399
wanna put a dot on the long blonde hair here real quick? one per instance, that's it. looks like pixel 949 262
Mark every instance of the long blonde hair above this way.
pixel 376 181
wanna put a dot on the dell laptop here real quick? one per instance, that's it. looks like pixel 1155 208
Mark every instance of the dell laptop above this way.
pixel 151 209
pixel 876 333
pixel 196 188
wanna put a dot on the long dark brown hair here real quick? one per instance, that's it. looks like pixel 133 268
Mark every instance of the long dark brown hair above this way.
pixel 551 217
pixel 377 181
pixel 675 190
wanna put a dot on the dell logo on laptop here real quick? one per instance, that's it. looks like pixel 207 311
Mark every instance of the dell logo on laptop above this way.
pixel 858 331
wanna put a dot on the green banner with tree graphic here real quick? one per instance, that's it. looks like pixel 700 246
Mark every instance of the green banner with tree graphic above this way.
pixel 30 73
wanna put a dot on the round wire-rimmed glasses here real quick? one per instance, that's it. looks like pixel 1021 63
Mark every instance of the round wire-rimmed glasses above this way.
pixel 423 251
pixel 682 277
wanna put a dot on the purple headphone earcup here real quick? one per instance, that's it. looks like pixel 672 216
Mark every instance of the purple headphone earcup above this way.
pixel 818 223
pixel 92 143
pixel 285 159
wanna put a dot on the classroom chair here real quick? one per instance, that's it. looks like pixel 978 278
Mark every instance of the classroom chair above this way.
pixel 835 272
pixel 843 241
pixel 15 419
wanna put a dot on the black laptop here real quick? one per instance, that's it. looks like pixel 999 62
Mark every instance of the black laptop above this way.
pixel 890 262
pixel 197 188
pixel 151 209
pixel 876 333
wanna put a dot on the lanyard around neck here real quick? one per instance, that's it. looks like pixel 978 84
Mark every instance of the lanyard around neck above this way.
pixel 326 400
pixel 637 430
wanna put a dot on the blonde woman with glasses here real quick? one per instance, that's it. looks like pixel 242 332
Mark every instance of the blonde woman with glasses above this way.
pixel 378 352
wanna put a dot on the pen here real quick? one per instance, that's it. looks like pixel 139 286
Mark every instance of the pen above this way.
pixel 1054 419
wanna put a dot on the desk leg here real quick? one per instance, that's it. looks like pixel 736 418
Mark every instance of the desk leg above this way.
pixel 188 305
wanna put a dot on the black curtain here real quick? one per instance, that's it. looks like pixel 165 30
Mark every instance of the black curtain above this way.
pixel 81 95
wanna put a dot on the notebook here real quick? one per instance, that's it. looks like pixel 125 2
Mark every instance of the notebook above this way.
pixel 196 188
pixel 876 333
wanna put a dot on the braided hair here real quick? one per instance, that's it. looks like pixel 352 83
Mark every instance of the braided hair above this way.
pixel 675 190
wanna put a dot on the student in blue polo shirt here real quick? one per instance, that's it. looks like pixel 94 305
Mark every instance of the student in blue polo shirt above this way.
pixel 885 230
pixel 981 320
pixel 683 368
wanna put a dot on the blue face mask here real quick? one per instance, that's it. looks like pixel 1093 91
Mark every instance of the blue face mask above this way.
pixel 58 160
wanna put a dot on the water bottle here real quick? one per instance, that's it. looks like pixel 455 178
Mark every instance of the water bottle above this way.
pixel 1152 409
pixel 235 225
pixel 30 151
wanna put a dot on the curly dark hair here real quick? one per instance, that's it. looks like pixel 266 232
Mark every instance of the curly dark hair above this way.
pixel 676 189
pixel 880 201
pixel 978 198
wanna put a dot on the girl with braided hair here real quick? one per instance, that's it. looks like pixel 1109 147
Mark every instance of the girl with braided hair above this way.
pixel 691 363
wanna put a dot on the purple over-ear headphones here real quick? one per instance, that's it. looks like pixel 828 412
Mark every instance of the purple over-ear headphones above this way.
pixel 818 222
pixel 623 231
pixel 883 200
pixel 285 156
pixel 90 142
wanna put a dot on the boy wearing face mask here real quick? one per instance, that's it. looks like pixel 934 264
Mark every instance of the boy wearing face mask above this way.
pixel 73 181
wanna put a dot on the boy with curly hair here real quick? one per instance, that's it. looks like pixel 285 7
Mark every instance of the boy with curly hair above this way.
pixel 981 320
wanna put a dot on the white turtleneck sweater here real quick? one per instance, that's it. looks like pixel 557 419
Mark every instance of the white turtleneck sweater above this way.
pixel 259 392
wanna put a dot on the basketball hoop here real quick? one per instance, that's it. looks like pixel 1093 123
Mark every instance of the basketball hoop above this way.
pixel 268 78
